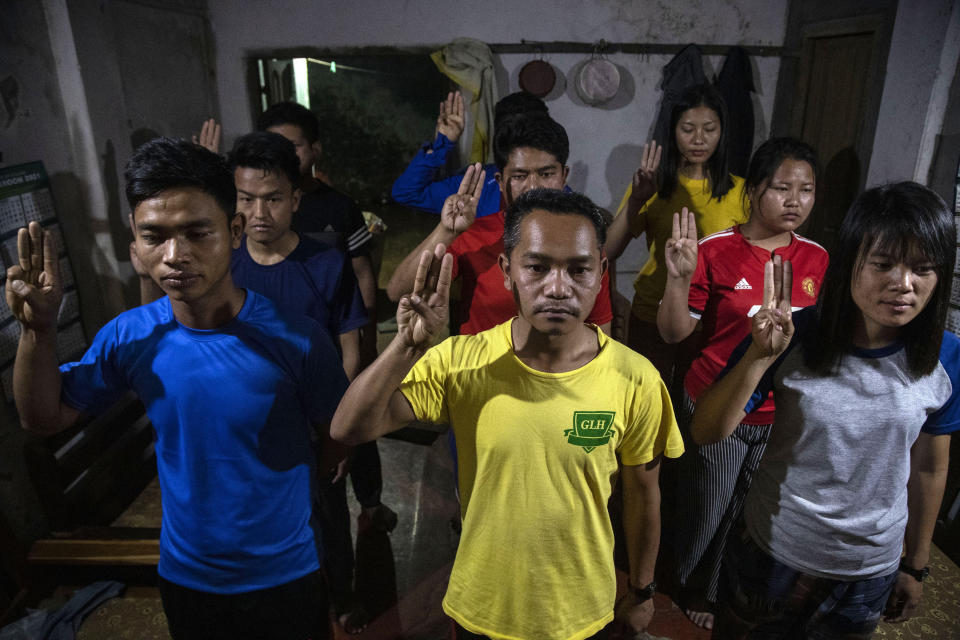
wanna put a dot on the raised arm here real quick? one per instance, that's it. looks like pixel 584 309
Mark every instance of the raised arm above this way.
pixel 459 212
pixel 373 404
pixel 209 137
pixel 720 408
pixel 33 293
pixel 417 186
pixel 680 254
pixel 642 188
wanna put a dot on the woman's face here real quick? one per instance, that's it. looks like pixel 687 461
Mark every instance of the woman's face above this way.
pixel 891 291
pixel 783 203
pixel 697 132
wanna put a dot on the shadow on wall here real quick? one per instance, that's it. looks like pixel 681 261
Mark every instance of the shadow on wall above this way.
pixel 623 159
pixel 100 295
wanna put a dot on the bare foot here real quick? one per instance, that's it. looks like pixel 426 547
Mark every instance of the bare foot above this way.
pixel 703 619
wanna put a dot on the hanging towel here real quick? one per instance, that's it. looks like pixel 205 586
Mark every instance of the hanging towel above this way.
pixel 685 70
pixel 469 63
pixel 735 83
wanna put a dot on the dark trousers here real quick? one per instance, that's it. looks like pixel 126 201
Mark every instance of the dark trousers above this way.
pixel 296 610
pixel 366 475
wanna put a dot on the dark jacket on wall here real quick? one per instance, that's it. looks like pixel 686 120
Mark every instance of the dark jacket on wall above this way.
pixel 735 83
pixel 685 70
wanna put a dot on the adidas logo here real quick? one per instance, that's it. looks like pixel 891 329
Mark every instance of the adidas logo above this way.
pixel 743 284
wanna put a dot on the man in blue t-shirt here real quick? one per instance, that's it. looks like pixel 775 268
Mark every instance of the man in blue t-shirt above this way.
pixel 236 389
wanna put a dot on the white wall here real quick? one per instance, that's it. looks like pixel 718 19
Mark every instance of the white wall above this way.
pixel 605 141
pixel 923 35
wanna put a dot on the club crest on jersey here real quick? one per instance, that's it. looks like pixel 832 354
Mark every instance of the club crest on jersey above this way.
pixel 591 429
pixel 809 287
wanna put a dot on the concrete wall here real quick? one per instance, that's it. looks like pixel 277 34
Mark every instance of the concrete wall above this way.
pixel 921 64
pixel 605 141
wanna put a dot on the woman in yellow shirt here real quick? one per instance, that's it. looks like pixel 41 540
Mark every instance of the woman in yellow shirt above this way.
pixel 694 175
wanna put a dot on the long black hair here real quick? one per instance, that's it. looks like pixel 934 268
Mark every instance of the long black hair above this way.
pixel 899 219
pixel 718 174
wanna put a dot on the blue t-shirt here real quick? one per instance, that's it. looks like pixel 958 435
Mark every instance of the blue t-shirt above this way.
pixel 420 187
pixel 232 409
pixel 314 280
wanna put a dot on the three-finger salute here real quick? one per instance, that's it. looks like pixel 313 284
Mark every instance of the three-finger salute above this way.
pixel 33 287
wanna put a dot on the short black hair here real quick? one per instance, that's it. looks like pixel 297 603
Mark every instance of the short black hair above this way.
pixel 554 201
pixel 291 113
pixel 535 130
pixel 898 219
pixel 770 155
pixel 701 95
pixel 269 152
pixel 516 103
pixel 172 163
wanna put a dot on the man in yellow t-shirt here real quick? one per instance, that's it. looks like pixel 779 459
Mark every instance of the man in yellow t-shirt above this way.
pixel 541 406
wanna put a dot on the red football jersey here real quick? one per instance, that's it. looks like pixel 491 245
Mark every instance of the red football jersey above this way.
pixel 727 290
pixel 485 302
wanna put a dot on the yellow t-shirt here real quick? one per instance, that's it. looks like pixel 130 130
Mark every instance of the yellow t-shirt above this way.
pixel 537 453
pixel 656 220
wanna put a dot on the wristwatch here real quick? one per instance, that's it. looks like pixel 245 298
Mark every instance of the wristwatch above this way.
pixel 916 574
pixel 645 593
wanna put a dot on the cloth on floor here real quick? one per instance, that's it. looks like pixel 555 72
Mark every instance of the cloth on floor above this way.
pixel 63 623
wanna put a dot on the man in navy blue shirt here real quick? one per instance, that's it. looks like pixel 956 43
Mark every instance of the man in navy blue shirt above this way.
pixel 235 387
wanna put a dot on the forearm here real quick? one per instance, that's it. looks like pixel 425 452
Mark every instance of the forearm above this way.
pixel 720 408
pixel 673 317
pixel 924 494
pixel 36 383
pixel 401 282
pixel 619 232
pixel 350 352
pixel 641 524
pixel 371 408
pixel 414 187
pixel 367 282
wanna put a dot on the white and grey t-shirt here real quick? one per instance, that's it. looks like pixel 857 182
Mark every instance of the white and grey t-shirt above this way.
pixel 830 495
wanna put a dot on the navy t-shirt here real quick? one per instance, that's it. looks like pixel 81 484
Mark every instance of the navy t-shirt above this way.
pixel 314 280
pixel 232 409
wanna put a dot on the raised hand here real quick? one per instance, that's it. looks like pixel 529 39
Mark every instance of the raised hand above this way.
pixel 33 287
pixel 645 179
pixel 209 137
pixel 450 120
pixel 460 209
pixel 773 325
pixel 422 314
pixel 680 251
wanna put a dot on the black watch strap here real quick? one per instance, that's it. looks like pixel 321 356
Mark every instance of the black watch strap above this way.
pixel 916 574
pixel 645 593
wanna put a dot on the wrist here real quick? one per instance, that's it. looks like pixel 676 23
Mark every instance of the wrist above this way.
pixel 917 572
pixel 644 593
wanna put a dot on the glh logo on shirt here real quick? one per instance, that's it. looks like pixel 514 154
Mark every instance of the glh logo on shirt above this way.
pixel 591 429
pixel 743 284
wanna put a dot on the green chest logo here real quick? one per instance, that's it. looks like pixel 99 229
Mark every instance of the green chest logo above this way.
pixel 591 429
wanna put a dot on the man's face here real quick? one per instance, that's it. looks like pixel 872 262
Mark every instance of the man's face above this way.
pixel 266 200
pixel 184 241
pixel 307 152
pixel 528 168
pixel 555 270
